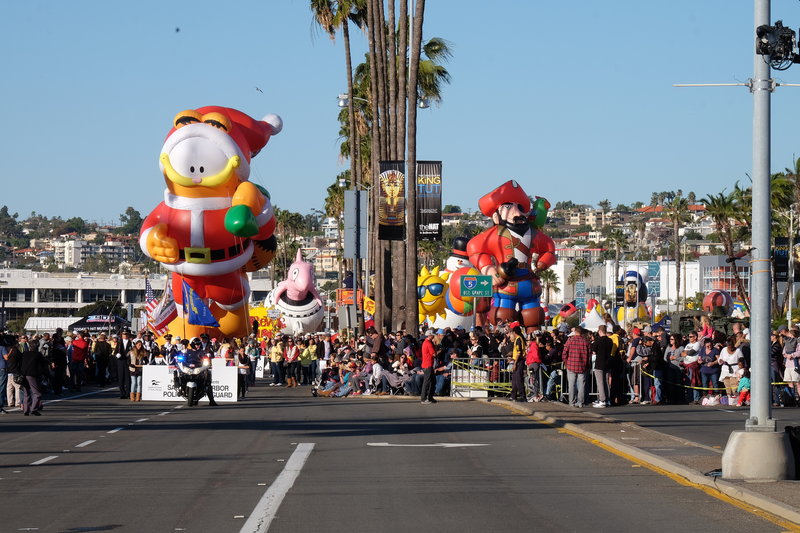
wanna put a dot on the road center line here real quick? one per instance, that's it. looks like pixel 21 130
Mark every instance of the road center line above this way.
pixel 84 443
pixel 115 430
pixel 268 505
pixel 41 461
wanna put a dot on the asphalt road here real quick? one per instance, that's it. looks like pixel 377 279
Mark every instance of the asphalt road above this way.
pixel 301 464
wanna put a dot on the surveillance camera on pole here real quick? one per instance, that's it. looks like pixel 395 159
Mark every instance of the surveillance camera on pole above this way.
pixel 777 44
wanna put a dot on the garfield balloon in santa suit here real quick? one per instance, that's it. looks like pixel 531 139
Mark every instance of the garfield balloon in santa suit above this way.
pixel 513 251
pixel 213 225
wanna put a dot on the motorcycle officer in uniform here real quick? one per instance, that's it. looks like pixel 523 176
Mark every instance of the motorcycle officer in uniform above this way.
pixel 195 355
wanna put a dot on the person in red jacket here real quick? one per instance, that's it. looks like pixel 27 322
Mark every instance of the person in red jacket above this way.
pixel 428 361
pixel 533 361
pixel 80 351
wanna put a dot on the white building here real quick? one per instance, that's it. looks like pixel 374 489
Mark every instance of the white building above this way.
pixel 73 253
pixel 24 292
pixel 330 228
pixel 602 281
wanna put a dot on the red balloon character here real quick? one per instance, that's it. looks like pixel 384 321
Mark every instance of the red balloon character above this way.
pixel 513 251
pixel 213 225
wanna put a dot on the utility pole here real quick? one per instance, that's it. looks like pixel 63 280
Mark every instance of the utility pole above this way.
pixel 790 278
pixel 760 452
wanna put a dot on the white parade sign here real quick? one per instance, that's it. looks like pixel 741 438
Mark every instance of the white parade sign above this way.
pixel 158 384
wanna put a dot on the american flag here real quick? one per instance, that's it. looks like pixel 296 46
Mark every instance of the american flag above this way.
pixel 150 302
pixel 165 312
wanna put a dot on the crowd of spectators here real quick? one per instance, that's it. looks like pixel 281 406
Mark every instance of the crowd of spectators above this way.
pixel 608 367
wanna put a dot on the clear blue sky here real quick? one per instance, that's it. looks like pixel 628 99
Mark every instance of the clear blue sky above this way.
pixel 573 98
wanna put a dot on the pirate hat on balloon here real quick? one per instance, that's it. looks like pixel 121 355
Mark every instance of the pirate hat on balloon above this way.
pixel 509 192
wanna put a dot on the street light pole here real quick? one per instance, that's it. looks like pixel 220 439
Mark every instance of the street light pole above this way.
pixel 790 279
pixel 761 282
pixel 760 452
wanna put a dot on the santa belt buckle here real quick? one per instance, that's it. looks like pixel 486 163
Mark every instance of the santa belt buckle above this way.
pixel 197 255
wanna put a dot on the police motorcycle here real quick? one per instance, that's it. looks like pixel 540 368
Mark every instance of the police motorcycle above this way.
pixel 193 374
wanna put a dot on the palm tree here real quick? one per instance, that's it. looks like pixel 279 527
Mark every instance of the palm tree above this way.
pixel 412 316
pixel 722 208
pixel 678 213
pixel 620 241
pixel 580 269
pixel 604 205
pixel 549 281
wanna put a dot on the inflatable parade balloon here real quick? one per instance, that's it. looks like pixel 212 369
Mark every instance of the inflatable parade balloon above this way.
pixel 513 251
pixel 213 225
pixel 718 298
pixel 298 299
pixel 566 311
pixel 594 315
pixel 635 298
pixel 459 310
pixel 431 285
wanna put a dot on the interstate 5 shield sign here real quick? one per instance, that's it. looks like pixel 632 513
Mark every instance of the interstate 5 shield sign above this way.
pixel 476 286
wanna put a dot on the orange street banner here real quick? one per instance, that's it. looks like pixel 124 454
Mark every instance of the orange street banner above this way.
pixel 345 297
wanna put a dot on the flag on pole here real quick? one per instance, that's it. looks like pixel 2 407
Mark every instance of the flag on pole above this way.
pixel 163 313
pixel 150 302
pixel 195 309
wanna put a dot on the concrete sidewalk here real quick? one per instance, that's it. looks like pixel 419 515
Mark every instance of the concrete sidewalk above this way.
pixel 689 460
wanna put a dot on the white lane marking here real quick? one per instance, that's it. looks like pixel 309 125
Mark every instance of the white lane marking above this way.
pixel 84 443
pixel 41 461
pixel 115 430
pixel 435 445
pixel 268 505
pixel 179 407
pixel 142 420
pixel 164 413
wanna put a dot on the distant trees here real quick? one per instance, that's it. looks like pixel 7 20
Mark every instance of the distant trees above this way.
pixel 581 268
pixel 130 222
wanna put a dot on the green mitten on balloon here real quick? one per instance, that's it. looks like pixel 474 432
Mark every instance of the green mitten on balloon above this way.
pixel 239 221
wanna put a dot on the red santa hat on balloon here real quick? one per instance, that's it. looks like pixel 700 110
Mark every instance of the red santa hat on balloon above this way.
pixel 509 192
pixel 231 133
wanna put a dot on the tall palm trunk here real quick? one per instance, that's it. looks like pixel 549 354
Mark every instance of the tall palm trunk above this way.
pixel 391 71
pixel 401 66
pixel 412 318
pixel 381 309
pixel 355 159
pixel 728 244
pixel 676 245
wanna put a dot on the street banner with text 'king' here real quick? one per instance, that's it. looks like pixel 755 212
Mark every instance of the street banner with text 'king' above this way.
pixel 392 201
pixel 429 200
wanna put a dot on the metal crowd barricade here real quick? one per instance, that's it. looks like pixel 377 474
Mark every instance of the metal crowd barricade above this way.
pixel 480 378
pixel 491 376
